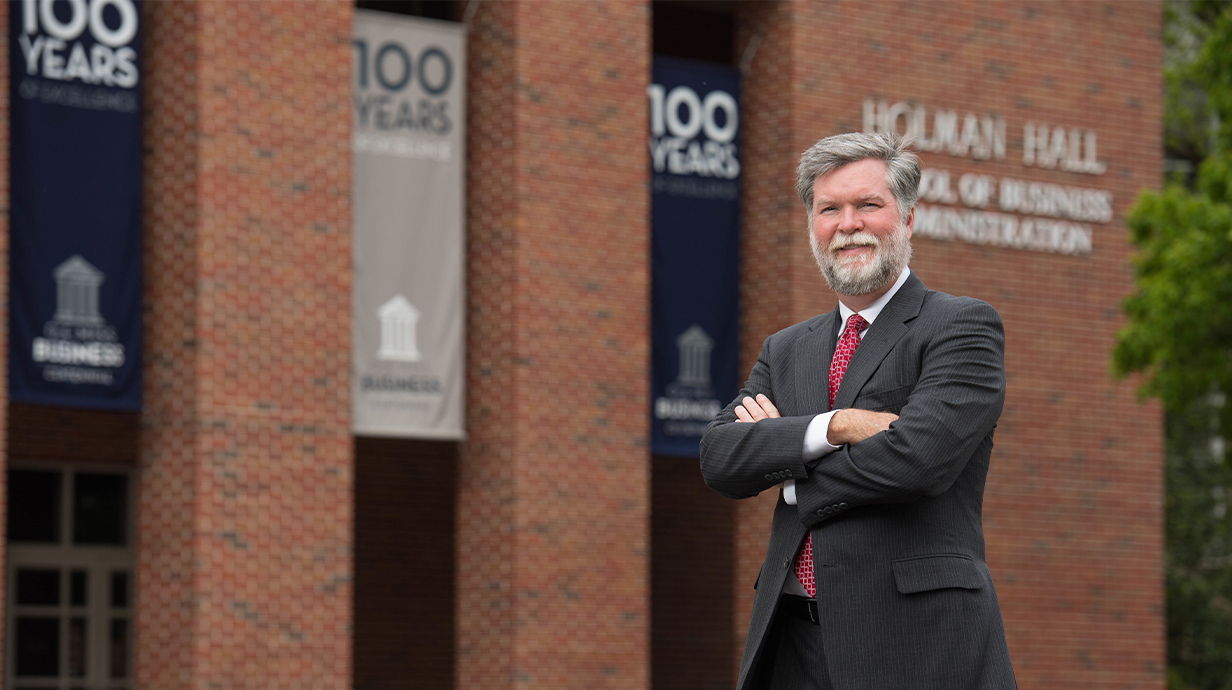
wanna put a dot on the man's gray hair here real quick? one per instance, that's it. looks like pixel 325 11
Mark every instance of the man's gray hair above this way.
pixel 832 153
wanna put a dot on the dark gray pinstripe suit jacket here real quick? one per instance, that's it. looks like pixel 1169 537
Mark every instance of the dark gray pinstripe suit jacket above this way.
pixel 905 598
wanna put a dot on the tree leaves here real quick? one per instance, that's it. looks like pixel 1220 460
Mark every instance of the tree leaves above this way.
pixel 1180 319
pixel 1179 336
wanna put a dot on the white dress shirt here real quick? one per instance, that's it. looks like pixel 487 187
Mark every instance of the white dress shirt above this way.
pixel 816 441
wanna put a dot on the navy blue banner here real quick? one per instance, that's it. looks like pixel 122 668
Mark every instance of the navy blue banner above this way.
pixel 75 203
pixel 695 222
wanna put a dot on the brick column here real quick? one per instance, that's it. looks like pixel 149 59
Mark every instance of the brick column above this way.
pixel 553 487
pixel 244 515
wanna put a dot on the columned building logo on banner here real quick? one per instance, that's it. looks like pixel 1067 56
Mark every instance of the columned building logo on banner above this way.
pixel 694 346
pixel 77 283
pixel 399 319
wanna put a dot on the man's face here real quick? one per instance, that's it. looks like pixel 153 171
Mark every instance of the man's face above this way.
pixel 858 239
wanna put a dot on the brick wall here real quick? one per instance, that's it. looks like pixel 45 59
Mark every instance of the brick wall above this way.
pixel 1073 511
pixel 404 563
pixel 244 512
pixel 553 489
pixel 60 433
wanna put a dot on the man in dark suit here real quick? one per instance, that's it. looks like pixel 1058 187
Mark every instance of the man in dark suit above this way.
pixel 875 423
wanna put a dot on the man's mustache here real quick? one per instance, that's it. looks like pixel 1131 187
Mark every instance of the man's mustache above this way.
pixel 857 240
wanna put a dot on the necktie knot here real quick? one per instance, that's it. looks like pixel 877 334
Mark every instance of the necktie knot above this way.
pixel 856 323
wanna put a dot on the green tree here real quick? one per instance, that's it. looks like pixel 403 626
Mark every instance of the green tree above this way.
pixel 1179 336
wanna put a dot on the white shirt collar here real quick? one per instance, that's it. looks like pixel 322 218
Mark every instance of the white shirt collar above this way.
pixel 870 313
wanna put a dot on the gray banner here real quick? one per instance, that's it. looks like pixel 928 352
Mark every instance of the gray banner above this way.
pixel 409 290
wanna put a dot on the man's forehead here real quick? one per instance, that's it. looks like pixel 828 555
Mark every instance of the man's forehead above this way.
pixel 856 192
pixel 864 178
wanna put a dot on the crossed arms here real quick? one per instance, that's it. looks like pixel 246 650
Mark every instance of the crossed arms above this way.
pixel 846 426
pixel 952 406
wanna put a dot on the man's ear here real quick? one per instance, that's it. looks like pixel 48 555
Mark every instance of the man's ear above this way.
pixel 910 222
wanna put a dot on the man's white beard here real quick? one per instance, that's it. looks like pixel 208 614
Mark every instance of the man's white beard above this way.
pixel 859 276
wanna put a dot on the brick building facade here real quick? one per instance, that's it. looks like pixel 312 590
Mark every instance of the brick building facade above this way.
pixel 550 549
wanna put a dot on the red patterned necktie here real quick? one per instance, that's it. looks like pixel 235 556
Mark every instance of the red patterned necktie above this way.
pixel 847 345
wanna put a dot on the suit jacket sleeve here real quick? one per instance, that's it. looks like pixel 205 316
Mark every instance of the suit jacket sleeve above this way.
pixel 951 410
pixel 742 460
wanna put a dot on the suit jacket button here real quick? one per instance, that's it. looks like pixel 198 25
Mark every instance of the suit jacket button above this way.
pixel 822 511
pixel 787 472
pixel 836 507
pixel 786 563
pixel 769 478
pixel 843 506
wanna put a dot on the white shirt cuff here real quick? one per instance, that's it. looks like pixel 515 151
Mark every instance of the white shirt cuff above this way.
pixel 816 444
pixel 789 492
pixel 816 439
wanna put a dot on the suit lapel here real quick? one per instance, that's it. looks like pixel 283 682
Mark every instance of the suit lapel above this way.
pixel 813 354
pixel 890 326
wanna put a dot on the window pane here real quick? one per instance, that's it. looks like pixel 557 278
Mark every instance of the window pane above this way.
pixel 77 588
pixel 119 589
pixel 38 587
pixel 119 647
pixel 34 506
pixel 38 646
pixel 100 509
pixel 77 648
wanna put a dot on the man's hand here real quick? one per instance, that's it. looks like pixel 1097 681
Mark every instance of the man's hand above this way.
pixel 750 410
pixel 850 425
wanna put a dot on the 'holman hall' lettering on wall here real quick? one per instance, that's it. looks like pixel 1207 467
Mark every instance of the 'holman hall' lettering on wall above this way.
pixel 1056 215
